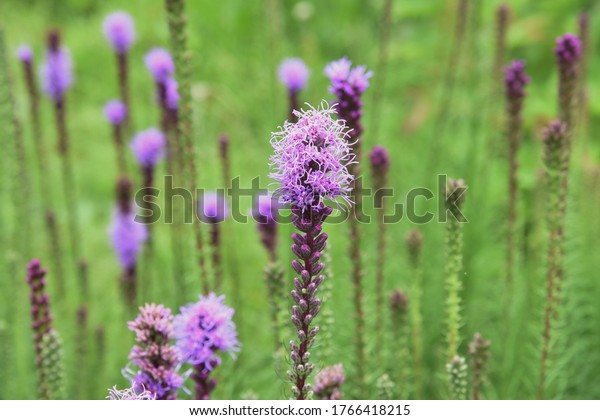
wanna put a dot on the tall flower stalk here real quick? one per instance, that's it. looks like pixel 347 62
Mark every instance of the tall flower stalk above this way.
pixel 293 73
pixel 380 163
pixel 213 211
pixel 515 81
pixel 399 308
pixel 57 78
pixel 116 114
pixel 120 33
pixel 455 196
pixel 557 154
pixel 203 330
pixel 309 162
pixel 348 84
pixel 479 356
pixel 501 26
pixel 81 343
pixel 127 236
pixel 154 355
pixel 47 343
pixel 414 245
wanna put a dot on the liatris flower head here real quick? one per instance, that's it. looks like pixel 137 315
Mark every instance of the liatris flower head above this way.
pixel 129 394
pixel 568 49
pixel 345 79
pixel 380 159
pixel 294 74
pixel 398 302
pixel 171 94
pixel 127 235
pixel 149 147
pixel 555 146
pixel 25 54
pixel 56 71
pixel 203 328
pixel 310 159
pixel 115 112
pixel 119 31
pixel 457 376
pixel 328 383
pixel 515 79
pixel 213 207
pixel 40 302
pixel 155 356
pixel 160 64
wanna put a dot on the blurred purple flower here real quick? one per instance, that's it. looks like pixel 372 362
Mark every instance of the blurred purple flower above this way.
pixel 213 207
pixel 310 159
pixel 155 356
pixel 119 31
pixel 568 48
pixel 294 74
pixel 329 381
pixel 149 147
pixel 515 79
pixel 24 53
pixel 56 73
pixel 115 112
pixel 160 64
pixel 380 158
pixel 127 236
pixel 346 79
pixel 203 328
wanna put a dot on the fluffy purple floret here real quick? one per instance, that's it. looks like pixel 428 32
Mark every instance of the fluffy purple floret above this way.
pixel 115 112
pixel 344 78
pixel 119 31
pixel 149 147
pixel 515 79
pixel 172 95
pixel 160 64
pixel 130 394
pixel 294 74
pixel 127 237
pixel 380 158
pixel 25 54
pixel 203 328
pixel 213 207
pixel 568 48
pixel 310 159
pixel 56 73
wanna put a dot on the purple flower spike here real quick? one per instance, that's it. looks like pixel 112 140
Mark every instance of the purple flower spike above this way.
pixel 213 208
pixel 119 31
pixel 568 48
pixel 203 328
pixel 155 356
pixel 380 158
pixel 149 147
pixel 310 159
pixel 294 74
pixel 160 64
pixel 56 70
pixel 115 112
pixel 515 79
pixel 25 54
pixel 329 381
pixel 127 236
pixel 172 95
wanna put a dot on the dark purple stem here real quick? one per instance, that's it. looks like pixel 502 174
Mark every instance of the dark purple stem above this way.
pixel 203 384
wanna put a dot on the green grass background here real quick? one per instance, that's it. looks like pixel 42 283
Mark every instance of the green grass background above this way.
pixel 236 47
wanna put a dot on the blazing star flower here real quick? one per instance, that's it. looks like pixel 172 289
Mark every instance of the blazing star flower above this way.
pixel 127 237
pixel 154 355
pixel 310 159
pixel 213 208
pixel 115 112
pixel 294 74
pixel 160 64
pixel 25 54
pixel 119 31
pixel 172 95
pixel 203 328
pixel 56 70
pixel 515 79
pixel 149 147
pixel 329 381
pixel 380 158
pixel 129 394
pixel 568 48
